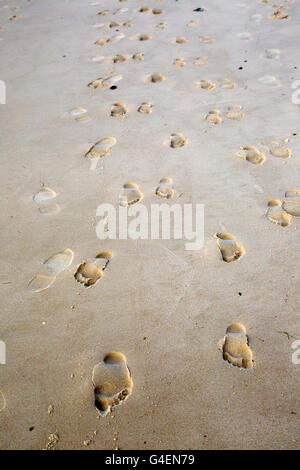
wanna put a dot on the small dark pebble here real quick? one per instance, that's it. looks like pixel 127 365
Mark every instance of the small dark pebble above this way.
pixel 240 294
pixel 31 428
pixel 114 87
pixel 199 9
pixel 240 68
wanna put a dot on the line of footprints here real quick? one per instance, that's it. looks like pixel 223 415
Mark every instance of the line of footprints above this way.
pixel 111 378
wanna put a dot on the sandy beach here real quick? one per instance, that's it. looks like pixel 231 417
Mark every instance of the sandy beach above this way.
pixel 142 344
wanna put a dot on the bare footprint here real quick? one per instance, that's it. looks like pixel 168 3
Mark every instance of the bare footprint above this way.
pixel 157 11
pixel 206 39
pixel 105 81
pixel 236 348
pixel 78 112
pixel 138 56
pixel 180 40
pixel 130 194
pixel 177 140
pixel 144 37
pixel 230 249
pixel 214 116
pixel 180 62
pixel 157 78
pixel 40 282
pixel 145 108
pixel 165 188
pixel 112 382
pixel 226 83
pixel 161 25
pixel 277 215
pixel 89 272
pixel 280 15
pixel 59 262
pixel 235 112
pixel 120 58
pixel 54 266
pixel 269 80
pixel 291 203
pixel 273 54
pixel 101 148
pixel 278 150
pixel 44 200
pixel 44 195
pixel 205 85
pixel 200 61
pixel 252 155
pixel 118 109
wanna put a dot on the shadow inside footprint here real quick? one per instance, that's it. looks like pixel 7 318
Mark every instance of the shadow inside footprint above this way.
pixel 165 188
pixel 112 382
pixel 230 249
pixel 130 194
pixel 277 215
pixel 89 272
pixel 236 349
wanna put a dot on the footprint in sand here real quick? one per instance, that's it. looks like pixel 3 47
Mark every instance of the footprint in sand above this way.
pixel 118 109
pixel 200 61
pixel 245 36
pixel 59 262
pixel 273 53
pixel 54 266
pixel 98 58
pixel 161 25
pixel 138 56
pixel 157 11
pixel 130 194
pixel 230 249
pixel 277 215
pixel 103 13
pixel 192 23
pixel 144 37
pixel 180 62
pixel 145 108
pixel 105 81
pixel 252 155
pixel 157 78
pixel 40 282
pixel 236 348
pixel 165 188
pixel 144 10
pixel 177 140
pixel 112 382
pixel 269 80
pixel 120 58
pixel 116 38
pixel 101 148
pixel 206 39
pixel 280 15
pixel 180 40
pixel 80 114
pixel 277 150
pixel 205 85
pixel 214 116
pixel 235 112
pixel 291 203
pixel 89 272
pixel 225 83
pixel 42 199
